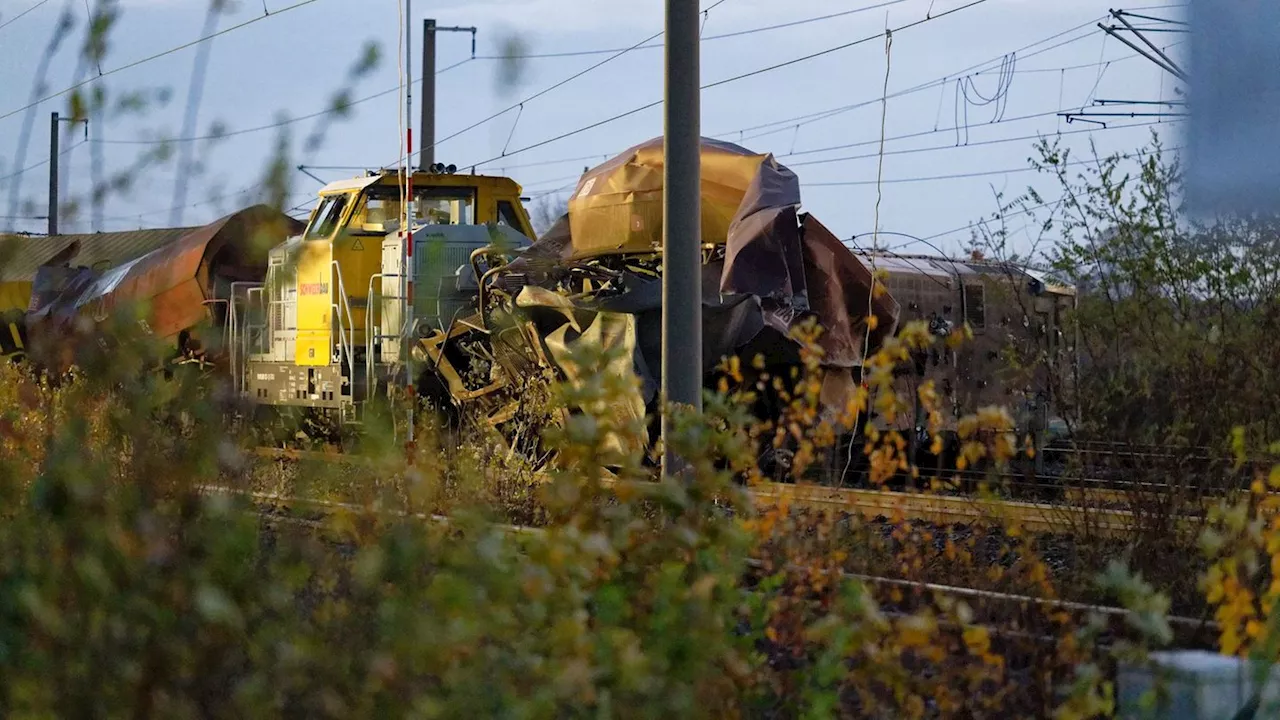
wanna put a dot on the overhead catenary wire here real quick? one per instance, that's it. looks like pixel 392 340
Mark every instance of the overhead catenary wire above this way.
pixel 594 156
pixel 780 125
pixel 935 83
pixel 157 56
pixel 559 161
pixel 847 158
pixel 542 92
pixel 917 134
pixel 388 91
pixel 560 184
pixel 536 95
pixel 40 163
pixel 536 186
pixel 200 203
pixel 980 143
pixel 1101 64
pixel 967 94
pixel 1023 209
pixel 302 205
pixel 845 46
pixel 976 69
pixel 705 38
pixel 972 69
pixel 843 146
pixel 875 237
pixel 279 123
pixel 20 15
pixel 954 176
pixel 207 201
pixel 735 78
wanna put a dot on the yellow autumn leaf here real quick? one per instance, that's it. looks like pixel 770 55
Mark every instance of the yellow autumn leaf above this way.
pixel 977 639
pixel 915 631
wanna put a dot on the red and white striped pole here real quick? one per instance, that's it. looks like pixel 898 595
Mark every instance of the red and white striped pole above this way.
pixel 409 275
pixel 407 264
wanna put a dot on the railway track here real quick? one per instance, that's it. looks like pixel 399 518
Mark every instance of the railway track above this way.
pixel 949 510
pixel 1196 630
pixel 1091 509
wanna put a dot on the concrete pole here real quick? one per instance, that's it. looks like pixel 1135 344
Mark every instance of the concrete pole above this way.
pixel 427 136
pixel 682 221
pixel 53 175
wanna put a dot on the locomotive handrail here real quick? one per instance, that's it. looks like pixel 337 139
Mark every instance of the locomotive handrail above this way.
pixel 343 349
pixel 370 337
pixel 249 326
pixel 345 343
pixel 237 377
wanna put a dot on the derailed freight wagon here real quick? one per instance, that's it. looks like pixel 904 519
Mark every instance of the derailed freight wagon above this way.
pixel 596 276
pixel 181 288
pixel 1020 354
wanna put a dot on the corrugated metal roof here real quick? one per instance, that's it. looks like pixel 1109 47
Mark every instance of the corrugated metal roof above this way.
pixel 937 265
pixel 893 264
pixel 20 257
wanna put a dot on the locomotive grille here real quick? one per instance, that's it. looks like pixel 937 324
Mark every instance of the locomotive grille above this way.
pixel 437 298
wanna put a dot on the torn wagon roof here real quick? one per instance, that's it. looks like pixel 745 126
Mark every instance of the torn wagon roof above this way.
pixel 174 277
pixel 23 256
pixel 617 206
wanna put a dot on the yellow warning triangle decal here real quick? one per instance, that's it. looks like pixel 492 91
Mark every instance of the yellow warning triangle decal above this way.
pixel 357 245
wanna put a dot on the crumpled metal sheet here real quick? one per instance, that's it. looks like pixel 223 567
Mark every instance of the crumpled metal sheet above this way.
pixel 793 267
pixel 566 328
pixel 842 299
pixel 762 252
pixel 729 323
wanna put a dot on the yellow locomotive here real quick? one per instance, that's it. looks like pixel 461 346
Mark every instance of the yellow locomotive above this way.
pixel 330 326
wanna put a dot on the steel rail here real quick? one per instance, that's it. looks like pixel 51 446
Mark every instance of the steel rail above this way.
pixel 329 506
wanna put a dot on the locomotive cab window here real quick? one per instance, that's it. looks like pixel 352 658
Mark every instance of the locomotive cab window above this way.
pixel 975 306
pixel 381 211
pixel 376 215
pixel 445 206
pixel 327 217
pixel 507 215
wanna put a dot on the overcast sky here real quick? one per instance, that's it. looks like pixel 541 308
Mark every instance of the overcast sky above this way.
pixel 289 63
